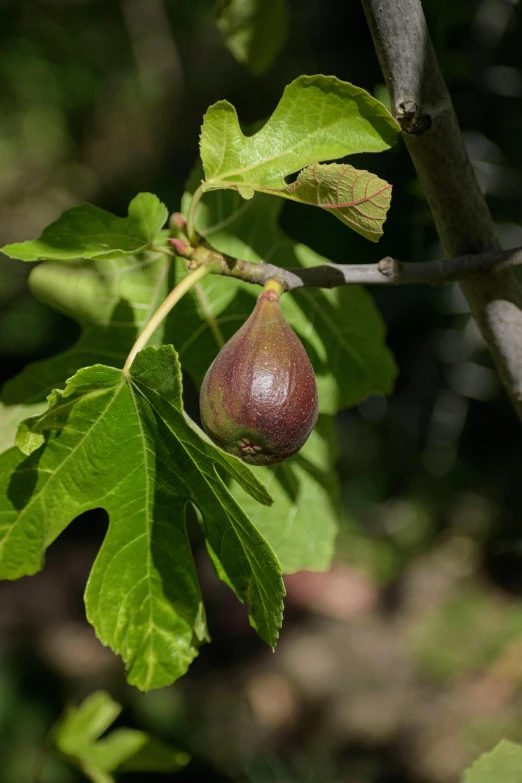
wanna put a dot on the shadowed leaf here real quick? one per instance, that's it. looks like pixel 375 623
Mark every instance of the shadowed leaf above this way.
pixel 302 524
pixel 254 31
pixel 78 737
pixel 358 198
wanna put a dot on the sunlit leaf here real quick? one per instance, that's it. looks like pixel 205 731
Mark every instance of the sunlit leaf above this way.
pixel 124 444
pixel 318 118
pixel 90 232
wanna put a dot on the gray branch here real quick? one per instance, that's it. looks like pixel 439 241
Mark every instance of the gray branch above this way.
pixel 423 108
pixel 388 271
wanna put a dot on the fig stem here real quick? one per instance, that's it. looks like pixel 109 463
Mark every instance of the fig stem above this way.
pixel 273 284
pixel 191 217
pixel 163 310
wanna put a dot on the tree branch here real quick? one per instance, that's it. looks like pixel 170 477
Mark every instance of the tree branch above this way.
pixel 422 105
pixel 388 271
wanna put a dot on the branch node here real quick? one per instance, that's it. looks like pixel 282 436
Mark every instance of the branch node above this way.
pixel 413 121
pixel 390 267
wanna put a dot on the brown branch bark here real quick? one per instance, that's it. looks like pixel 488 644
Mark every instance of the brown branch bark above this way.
pixel 388 271
pixel 422 105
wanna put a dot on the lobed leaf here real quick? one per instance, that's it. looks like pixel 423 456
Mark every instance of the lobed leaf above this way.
pixel 77 736
pixel 87 231
pixel 124 444
pixel 318 118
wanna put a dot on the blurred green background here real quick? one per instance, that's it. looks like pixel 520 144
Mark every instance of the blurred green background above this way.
pixel 405 661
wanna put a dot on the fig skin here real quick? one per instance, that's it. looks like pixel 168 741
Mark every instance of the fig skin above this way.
pixel 259 399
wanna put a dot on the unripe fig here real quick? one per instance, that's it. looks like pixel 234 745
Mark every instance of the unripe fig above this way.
pixel 259 396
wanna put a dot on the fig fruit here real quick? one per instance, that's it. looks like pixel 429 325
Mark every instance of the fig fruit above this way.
pixel 259 396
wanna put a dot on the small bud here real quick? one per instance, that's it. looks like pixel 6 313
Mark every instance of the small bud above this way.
pixel 177 220
pixel 179 246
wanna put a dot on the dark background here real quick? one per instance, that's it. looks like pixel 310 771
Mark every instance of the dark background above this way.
pixel 405 662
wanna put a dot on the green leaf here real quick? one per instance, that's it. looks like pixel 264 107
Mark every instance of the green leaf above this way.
pixel 77 738
pixel 302 525
pixel 359 199
pixel 341 329
pixel 90 232
pixel 318 118
pixel 80 726
pixel 254 31
pixel 501 765
pixel 112 300
pixel 125 444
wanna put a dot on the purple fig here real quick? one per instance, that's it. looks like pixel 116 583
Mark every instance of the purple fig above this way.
pixel 259 396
